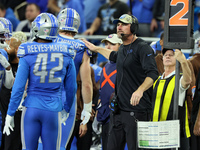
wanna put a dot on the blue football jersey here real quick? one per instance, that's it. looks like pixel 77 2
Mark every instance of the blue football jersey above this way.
pixel 48 67
pixel 2 69
pixel 78 45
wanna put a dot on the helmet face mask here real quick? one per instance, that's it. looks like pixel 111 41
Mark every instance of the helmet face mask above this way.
pixel 4 40
pixel 45 26
pixel 4 36
pixel 69 20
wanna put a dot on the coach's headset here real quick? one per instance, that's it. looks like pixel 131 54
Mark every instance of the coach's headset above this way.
pixel 134 25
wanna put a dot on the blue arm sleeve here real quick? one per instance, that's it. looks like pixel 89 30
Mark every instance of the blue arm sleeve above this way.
pixel 70 86
pixel 19 86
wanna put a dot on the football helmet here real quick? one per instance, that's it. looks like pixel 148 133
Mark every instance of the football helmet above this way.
pixel 69 20
pixel 8 25
pixel 6 29
pixel 45 26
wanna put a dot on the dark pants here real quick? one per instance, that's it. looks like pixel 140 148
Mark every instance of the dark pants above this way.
pixel 123 129
pixel 184 143
pixel 13 141
pixel 105 133
pixel 194 140
pixel 84 142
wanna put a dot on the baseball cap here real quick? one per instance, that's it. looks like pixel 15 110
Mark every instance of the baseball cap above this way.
pixel 166 49
pixel 125 18
pixel 112 38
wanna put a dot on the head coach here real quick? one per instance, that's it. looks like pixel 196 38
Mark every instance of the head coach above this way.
pixel 136 73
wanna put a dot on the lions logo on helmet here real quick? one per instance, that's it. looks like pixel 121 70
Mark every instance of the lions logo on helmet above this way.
pixel 45 26
pixel 6 29
pixel 69 20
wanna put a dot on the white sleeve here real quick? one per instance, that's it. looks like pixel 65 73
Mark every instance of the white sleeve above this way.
pixel 182 91
pixel 9 79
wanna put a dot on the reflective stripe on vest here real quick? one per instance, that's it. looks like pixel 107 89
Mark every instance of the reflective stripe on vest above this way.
pixel 187 129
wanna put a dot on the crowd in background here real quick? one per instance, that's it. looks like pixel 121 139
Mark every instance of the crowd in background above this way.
pixel 150 14
pixel 95 20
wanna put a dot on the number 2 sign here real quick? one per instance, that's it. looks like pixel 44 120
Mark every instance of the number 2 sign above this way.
pixel 177 19
pixel 178 29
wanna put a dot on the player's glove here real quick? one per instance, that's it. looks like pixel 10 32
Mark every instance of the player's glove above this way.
pixel 3 61
pixel 64 116
pixel 96 126
pixel 9 124
pixel 86 113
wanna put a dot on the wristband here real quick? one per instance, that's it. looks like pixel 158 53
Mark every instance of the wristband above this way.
pixel 88 107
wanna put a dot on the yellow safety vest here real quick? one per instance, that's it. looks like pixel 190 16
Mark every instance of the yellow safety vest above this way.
pixel 163 97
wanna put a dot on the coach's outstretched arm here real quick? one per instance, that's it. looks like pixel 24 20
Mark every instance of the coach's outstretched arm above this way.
pixel 103 51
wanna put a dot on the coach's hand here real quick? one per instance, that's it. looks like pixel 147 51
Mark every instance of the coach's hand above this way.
pixel 136 96
pixel 91 46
